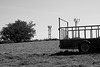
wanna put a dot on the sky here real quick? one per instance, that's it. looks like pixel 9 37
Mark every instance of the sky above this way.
pixel 46 12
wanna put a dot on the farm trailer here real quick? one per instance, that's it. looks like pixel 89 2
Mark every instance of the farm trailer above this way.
pixel 83 38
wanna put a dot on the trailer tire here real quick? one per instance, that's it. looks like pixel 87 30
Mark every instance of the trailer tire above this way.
pixel 84 47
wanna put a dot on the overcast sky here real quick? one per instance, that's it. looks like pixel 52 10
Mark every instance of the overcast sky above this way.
pixel 46 12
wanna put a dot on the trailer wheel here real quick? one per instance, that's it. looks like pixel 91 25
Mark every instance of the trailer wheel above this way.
pixel 84 48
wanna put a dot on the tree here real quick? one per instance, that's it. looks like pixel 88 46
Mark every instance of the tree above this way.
pixel 18 31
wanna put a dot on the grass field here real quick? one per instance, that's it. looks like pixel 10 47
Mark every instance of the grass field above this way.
pixel 38 54
pixel 30 47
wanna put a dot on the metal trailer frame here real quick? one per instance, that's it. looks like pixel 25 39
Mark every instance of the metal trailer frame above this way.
pixel 78 29
pixel 69 41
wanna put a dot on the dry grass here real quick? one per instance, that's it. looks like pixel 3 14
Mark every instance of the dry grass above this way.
pixel 30 47
pixel 36 54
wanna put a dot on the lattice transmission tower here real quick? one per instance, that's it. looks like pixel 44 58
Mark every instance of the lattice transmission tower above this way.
pixel 49 32
pixel 76 22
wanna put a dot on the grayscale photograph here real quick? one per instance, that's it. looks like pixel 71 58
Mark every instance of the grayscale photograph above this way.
pixel 49 33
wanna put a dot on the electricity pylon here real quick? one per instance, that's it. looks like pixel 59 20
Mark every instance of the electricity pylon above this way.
pixel 49 32
pixel 76 22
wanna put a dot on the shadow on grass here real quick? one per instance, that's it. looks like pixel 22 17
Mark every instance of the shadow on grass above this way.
pixel 66 53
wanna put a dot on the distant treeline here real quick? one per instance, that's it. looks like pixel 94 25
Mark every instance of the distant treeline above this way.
pixel 9 41
pixel 46 39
